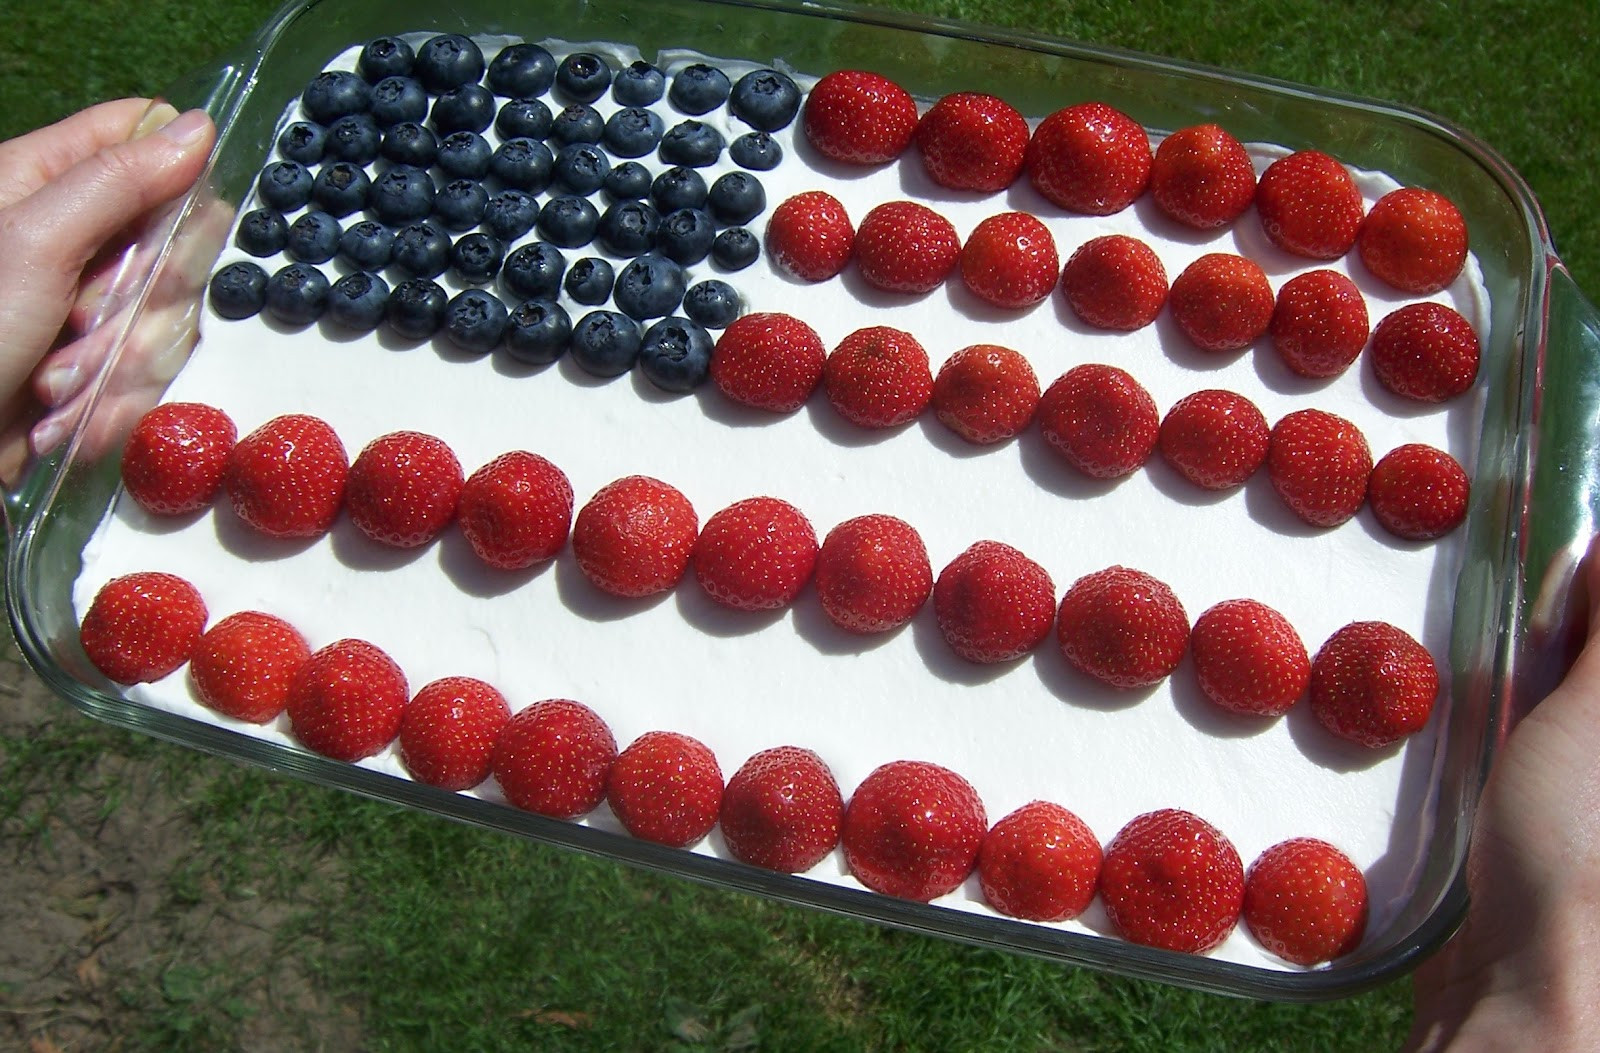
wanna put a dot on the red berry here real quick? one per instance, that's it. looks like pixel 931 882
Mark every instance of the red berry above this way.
pixel 142 626
pixel 1100 419
pixel 782 811
pixel 1414 239
pixel 878 377
pixel 667 788
pixel 553 758
pixel 1202 177
pixel 971 141
pixel 1089 158
pixel 810 236
pixel 1222 302
pixel 1122 627
pixel 1319 463
pixel 859 118
pixel 1040 863
pixel 873 574
pixel 448 732
pixel 1319 324
pixel 403 489
pixel 242 666
pixel 1216 439
pixel 516 510
pixel 635 536
pixel 347 700
pixel 756 554
pixel 1418 492
pixel 1373 684
pixel 1249 659
pixel 1115 282
pixel 1172 880
pixel 173 462
pixel 913 829
pixel 1010 260
pixel 993 603
pixel 1309 205
pixel 769 361
pixel 287 478
pixel 902 246
pixel 1425 351
pixel 1305 901
pixel 985 393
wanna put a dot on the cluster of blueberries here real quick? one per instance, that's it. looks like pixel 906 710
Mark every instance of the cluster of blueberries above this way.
pixel 417 111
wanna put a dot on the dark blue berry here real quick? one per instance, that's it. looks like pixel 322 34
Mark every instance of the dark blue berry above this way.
pixel 460 205
pixel 534 271
pixel 735 249
pixel 756 151
pixel 605 343
pixel 628 228
pixel 589 281
pixel 698 89
pixel 765 100
pixel 686 236
pixel 357 301
pixel 577 123
pixel 522 71
pixel 583 77
pixel 416 308
pixel 421 250
pixel 691 143
pixel 469 108
pixel 401 195
pixel 477 258
pixel 569 222
pixel 465 155
pixel 262 232
pixel 284 185
pixel 632 132
pixel 475 321
pixel 367 246
pixel 333 94
pixel 712 303
pixel 510 214
pixel 297 294
pixel 628 181
pixel 679 188
pixel 385 57
pixel 397 99
pixel 581 168
pixel 304 142
pixel 448 61
pixel 537 332
pixel 355 138
pixel 523 119
pixel 313 238
pixel 650 286
pixel 239 290
pixel 639 84
pixel 341 188
pixel 675 354
pixel 409 143
pixel 736 197
pixel 523 164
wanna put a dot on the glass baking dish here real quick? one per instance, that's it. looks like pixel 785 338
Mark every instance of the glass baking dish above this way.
pixel 1529 523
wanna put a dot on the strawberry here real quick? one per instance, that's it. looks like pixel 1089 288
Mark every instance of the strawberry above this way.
pixel 971 141
pixel 635 536
pixel 667 788
pixel 878 377
pixel 859 118
pixel 913 829
pixel 1309 206
pixel 1122 627
pixel 993 603
pixel 756 554
pixel 173 462
pixel 1202 177
pixel 985 393
pixel 347 700
pixel 1319 324
pixel 1249 659
pixel 873 574
pixel 286 479
pixel 1040 863
pixel 1418 492
pixel 242 666
pixel 142 626
pixel 1373 684
pixel 769 361
pixel 1221 302
pixel 1414 239
pixel 553 758
pixel 902 246
pixel 448 732
pixel 1318 463
pixel 1115 282
pixel 1010 260
pixel 1089 158
pixel 782 810
pixel 516 510
pixel 1425 351
pixel 1100 419
pixel 1172 880
pixel 1305 901
pixel 403 489
pixel 1216 439
pixel 810 236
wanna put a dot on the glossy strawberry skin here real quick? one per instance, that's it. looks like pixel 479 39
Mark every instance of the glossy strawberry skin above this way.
pixel 912 829
pixel 1425 351
pixel 1009 261
pixel 516 511
pixel 1216 439
pixel 1089 158
pixel 448 732
pixel 1418 492
pixel 1202 177
pixel 993 603
pixel 1319 463
pixel 859 118
pixel 287 478
pixel 553 758
pixel 1414 239
pixel 1373 684
pixel 141 627
pixel 756 554
pixel 1309 206
pixel 243 665
pixel 906 247
pixel 972 141
pixel 1172 880
pixel 985 393
pixel 635 536
pixel 1040 863
pixel 1115 282
pixel 1248 658
pixel 1123 627
pixel 878 377
pixel 873 574
pixel 403 488
pixel 173 462
pixel 347 700
pixel 782 810
pixel 1319 323
pixel 768 361
pixel 1100 420
pixel 1221 302
pixel 1305 901
pixel 810 236
pixel 666 787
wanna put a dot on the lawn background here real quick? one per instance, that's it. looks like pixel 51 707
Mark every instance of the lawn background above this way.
pixel 432 936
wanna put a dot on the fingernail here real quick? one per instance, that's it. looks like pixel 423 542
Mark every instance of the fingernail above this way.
pixel 186 129
pixel 47 433
pixel 61 383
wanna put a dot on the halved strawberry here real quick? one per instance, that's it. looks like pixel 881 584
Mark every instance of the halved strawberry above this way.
pixel 810 236
pixel 1010 260
pixel 782 810
pixel 913 829
pixel 769 361
pixel 1414 239
pixel 1172 880
pixel 859 117
pixel 347 700
pixel 1216 439
pixel 1122 627
pixel 1305 901
pixel 1418 492
pixel 1319 463
pixel 1309 205
pixel 985 393
pixel 142 626
pixel 666 787
pixel 878 377
pixel 553 758
pixel 635 536
pixel 873 574
pixel 1319 324
pixel 243 665
pixel 1089 158
pixel 403 488
pixel 993 603
pixel 1373 684
pixel 1115 282
pixel 1221 302
pixel 516 510
pixel 1249 659
pixel 448 732
pixel 1041 863
pixel 1425 351
pixel 173 462
pixel 971 141
pixel 1202 177
pixel 903 246
pixel 756 554
pixel 1100 419
pixel 286 479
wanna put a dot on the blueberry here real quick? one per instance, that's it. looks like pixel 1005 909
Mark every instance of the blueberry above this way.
pixel 448 61
pixel 583 77
pixel 469 108
pixel 523 119
pixel 397 99
pixel 581 168
pixel 333 94
pixel 341 188
pixel 736 197
pixel 605 343
pixel 239 290
pixel 465 155
pixel 522 71
pixel 589 281
pixel 632 132
pixel 409 143
pixel 735 249
pixel 765 99
pixel 357 301
pixel 756 151
pixel 297 294
pixel 304 142
pixel 510 214
pixel 691 143
pixel 477 258
pixel 577 123
pixel 355 138
pixel 629 181
pixel 313 238
pixel 679 188
pixel 675 354
pixel 650 286
pixel 523 164
pixel 698 89
pixel 686 236
pixel 416 308
pixel 367 245
pixel 460 204
pixel 402 195
pixel 284 185
pixel 385 57
pixel 569 222
pixel 421 251
pixel 639 84
pixel 537 332
pixel 262 232
pixel 712 303
pixel 628 228
pixel 534 271
pixel 475 321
